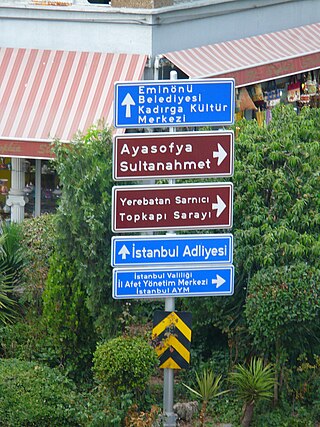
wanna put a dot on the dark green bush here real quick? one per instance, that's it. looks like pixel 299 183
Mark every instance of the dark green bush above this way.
pixel 38 237
pixel 35 395
pixel 28 340
pixel 124 364
pixel 278 418
pixel 105 410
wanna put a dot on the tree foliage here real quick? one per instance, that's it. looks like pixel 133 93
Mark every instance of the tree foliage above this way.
pixel 276 217
pixel 283 306
pixel 124 364
pixel 12 261
pixel 35 395
pixel 78 292
pixel 37 242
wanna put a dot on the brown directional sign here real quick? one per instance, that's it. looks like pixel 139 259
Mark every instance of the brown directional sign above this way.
pixel 175 207
pixel 173 155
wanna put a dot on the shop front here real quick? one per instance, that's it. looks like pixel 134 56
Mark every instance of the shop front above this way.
pixel 268 69
pixel 47 95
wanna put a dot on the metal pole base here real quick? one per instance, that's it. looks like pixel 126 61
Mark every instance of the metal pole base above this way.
pixel 170 420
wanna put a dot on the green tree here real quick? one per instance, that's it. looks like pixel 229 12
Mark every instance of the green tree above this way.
pixel 252 383
pixel 11 264
pixel 35 395
pixel 125 364
pixel 78 293
pixel 208 388
pixel 276 216
pixel 37 242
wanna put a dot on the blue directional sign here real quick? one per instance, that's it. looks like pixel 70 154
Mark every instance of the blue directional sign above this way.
pixel 166 103
pixel 173 282
pixel 171 250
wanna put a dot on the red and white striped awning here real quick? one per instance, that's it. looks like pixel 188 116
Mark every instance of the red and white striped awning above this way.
pixel 254 59
pixel 47 94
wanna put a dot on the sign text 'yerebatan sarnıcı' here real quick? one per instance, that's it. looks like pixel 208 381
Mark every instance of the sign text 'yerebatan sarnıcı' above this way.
pixel 180 103
pixel 180 206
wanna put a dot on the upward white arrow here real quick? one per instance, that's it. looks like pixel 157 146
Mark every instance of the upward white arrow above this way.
pixel 221 154
pixel 127 102
pixel 219 206
pixel 124 252
pixel 219 281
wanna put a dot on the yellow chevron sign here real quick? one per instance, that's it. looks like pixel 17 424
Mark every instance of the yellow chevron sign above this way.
pixel 171 336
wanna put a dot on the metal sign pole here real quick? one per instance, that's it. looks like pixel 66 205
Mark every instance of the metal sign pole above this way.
pixel 168 375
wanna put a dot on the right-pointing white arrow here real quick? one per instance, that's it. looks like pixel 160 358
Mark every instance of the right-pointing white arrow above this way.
pixel 219 281
pixel 220 206
pixel 221 154
pixel 127 102
pixel 124 252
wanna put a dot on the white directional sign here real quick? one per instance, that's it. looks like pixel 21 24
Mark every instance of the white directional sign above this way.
pixel 166 103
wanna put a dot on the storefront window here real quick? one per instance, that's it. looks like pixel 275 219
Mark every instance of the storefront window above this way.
pixel 99 1
pixel 258 100
pixel 53 2
pixel 50 189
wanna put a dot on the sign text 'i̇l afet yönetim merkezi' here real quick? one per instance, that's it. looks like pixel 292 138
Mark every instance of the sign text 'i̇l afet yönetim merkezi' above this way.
pixel 187 282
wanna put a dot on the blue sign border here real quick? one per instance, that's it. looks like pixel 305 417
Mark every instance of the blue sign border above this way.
pixel 173 282
pixel 126 98
pixel 143 250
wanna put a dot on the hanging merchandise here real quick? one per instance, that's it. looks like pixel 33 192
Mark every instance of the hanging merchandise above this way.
pixel 4 186
pixel 311 84
pixel 257 93
pixel 260 117
pixel 268 116
pixel 272 96
pixel 293 91
pixel 244 102
pixel 304 96
pixel 315 100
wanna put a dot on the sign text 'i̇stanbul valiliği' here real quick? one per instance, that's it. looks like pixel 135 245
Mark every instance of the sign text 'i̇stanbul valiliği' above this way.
pixel 200 266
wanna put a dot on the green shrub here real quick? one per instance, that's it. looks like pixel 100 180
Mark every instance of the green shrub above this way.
pixel 38 237
pixel 28 340
pixel 279 418
pixel 105 410
pixel 11 264
pixel 35 395
pixel 124 364
pixel 67 318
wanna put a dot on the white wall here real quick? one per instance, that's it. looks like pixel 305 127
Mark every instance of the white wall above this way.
pixel 187 24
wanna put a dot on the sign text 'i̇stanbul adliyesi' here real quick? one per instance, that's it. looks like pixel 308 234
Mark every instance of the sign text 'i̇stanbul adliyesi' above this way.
pixel 165 104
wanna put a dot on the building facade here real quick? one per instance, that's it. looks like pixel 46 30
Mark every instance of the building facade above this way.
pixel 59 60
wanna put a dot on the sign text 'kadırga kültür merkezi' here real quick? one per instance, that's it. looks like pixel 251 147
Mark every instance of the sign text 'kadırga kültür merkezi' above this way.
pixel 181 103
